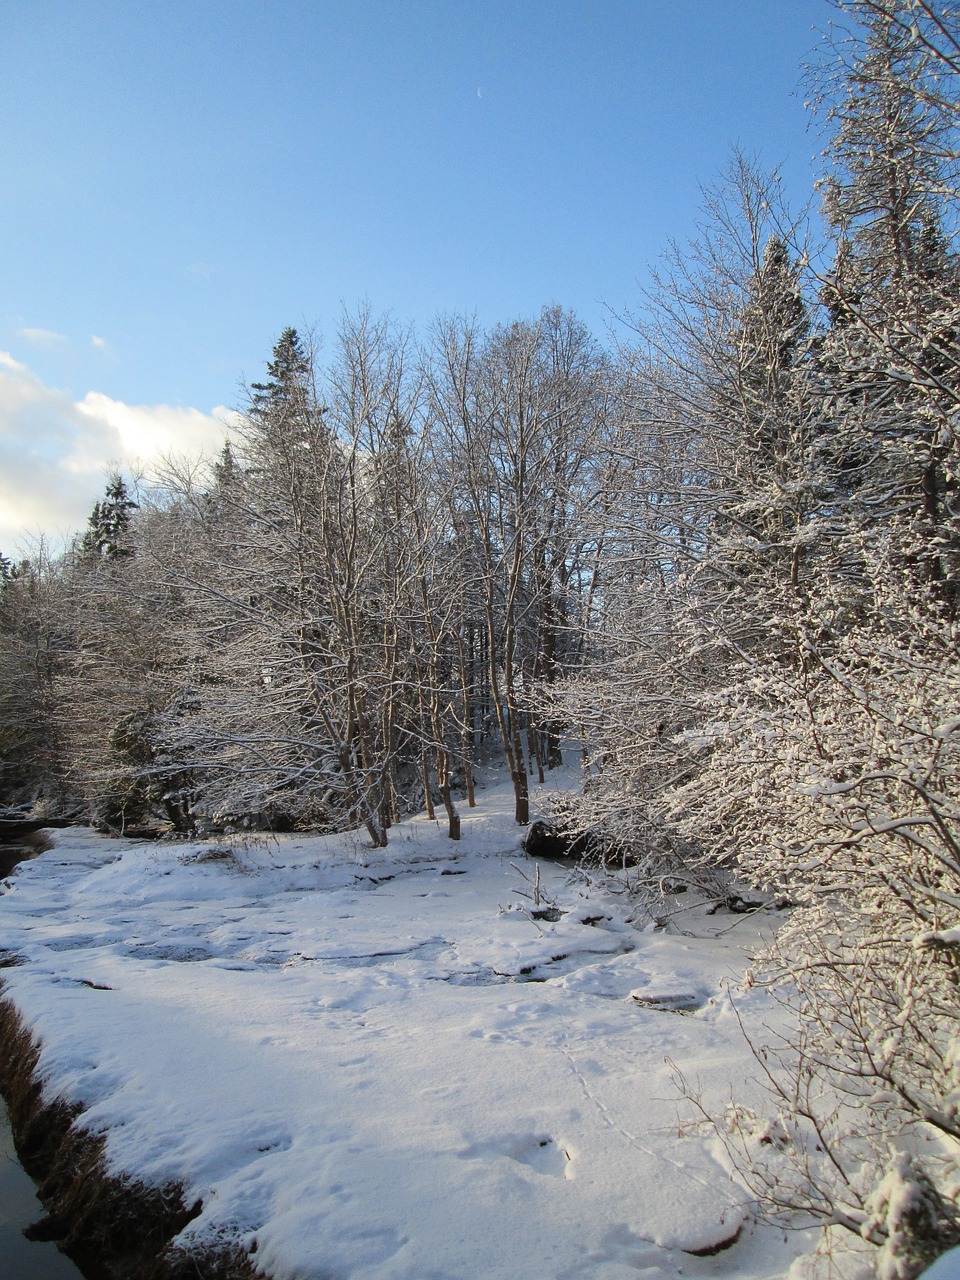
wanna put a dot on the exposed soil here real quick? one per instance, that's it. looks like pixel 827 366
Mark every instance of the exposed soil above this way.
pixel 113 1228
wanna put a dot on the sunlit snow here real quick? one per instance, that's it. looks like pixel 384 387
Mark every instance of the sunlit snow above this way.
pixel 377 1064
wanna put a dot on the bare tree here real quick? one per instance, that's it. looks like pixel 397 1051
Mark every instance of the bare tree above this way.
pixel 715 508
pixel 518 412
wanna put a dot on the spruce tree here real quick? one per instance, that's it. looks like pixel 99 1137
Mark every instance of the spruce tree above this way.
pixel 109 522
pixel 285 402
pixel 769 484
pixel 891 358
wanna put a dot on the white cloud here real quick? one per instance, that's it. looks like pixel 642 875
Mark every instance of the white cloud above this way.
pixel 146 432
pixel 55 451
pixel 43 338
pixel 97 342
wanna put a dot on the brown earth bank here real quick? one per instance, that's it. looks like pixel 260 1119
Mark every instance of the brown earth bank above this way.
pixel 114 1228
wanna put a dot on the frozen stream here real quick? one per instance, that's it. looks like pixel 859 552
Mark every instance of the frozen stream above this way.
pixel 434 1059
pixel 23 1259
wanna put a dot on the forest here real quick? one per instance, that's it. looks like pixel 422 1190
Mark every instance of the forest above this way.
pixel 717 558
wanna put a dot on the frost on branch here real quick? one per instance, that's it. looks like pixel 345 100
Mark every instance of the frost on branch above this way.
pixel 838 778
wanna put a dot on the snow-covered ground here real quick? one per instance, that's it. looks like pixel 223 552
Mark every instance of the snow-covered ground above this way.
pixel 379 1066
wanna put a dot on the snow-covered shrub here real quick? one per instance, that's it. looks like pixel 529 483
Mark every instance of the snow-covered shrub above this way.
pixel 836 779
pixel 910 1220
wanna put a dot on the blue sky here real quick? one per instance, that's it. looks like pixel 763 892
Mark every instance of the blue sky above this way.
pixel 182 180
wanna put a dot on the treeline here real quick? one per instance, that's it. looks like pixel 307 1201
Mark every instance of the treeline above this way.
pixel 390 557
pixel 722 558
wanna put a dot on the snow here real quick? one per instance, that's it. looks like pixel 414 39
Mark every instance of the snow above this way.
pixel 938 938
pixel 378 1066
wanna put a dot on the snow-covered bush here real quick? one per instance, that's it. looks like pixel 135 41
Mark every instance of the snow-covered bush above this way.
pixel 909 1218
pixel 836 779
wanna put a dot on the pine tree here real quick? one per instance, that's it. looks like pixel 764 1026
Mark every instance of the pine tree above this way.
pixel 106 537
pixel 891 357
pixel 769 484
pixel 288 371
pixel 286 397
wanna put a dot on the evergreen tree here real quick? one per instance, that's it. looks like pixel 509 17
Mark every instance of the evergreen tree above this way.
pixel 891 358
pixel 106 537
pixel 289 374
pixel 770 484
pixel 885 179
pixel 284 407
